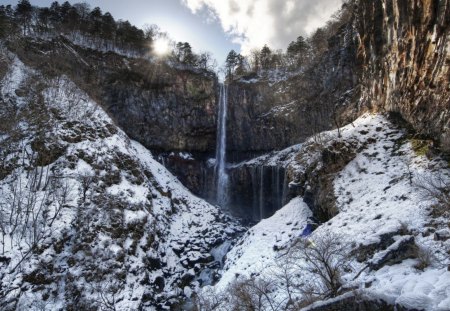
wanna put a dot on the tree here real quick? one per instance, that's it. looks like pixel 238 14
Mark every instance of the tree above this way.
pixel 266 57
pixel 324 257
pixel 44 16
pixel 184 55
pixel 151 32
pixel 297 51
pixel 255 60
pixel 24 12
pixel 95 21
pixel 231 62
pixel 319 42
pixel 4 22
pixel 108 29
pixel 55 13
pixel 206 61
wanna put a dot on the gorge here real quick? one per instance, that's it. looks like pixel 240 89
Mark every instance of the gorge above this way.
pixel 134 180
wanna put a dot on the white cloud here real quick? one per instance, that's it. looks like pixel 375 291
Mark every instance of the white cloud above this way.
pixel 253 23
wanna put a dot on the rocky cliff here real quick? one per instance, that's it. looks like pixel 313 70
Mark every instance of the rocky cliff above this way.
pixel 390 56
pixel 404 52
pixel 281 108
pixel 163 107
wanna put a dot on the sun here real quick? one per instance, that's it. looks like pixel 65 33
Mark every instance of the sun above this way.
pixel 161 46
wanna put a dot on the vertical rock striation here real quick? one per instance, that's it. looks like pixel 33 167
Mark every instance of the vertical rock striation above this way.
pixel 404 53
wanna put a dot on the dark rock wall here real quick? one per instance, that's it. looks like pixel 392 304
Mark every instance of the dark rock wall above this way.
pixel 177 115
pixel 270 113
pixel 404 51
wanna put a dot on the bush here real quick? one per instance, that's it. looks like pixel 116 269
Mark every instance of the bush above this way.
pixel 424 257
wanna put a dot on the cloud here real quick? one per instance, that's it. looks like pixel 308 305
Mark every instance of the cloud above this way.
pixel 253 23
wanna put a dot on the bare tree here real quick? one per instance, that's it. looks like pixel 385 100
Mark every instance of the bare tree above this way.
pixel 209 300
pixel 62 191
pixel 254 293
pixel 86 180
pixel 324 257
pixel 436 187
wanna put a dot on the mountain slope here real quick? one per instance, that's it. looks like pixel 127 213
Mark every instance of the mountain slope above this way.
pixel 88 218
pixel 392 235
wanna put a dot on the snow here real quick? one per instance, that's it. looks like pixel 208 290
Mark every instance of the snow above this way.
pixel 377 193
pixel 255 251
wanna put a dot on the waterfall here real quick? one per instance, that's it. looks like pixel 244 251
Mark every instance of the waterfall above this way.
pixel 220 170
pixel 261 194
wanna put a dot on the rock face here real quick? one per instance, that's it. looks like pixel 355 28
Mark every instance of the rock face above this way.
pixel 178 114
pixel 162 107
pixel 404 51
pixel 282 109
pixel 391 56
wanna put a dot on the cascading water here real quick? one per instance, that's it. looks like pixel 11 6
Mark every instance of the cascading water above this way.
pixel 220 170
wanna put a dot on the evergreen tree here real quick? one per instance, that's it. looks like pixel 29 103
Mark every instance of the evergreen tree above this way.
pixel 231 62
pixel 266 57
pixel 3 22
pixel 44 18
pixel 108 26
pixel 298 51
pixel 55 17
pixel 184 54
pixel 23 13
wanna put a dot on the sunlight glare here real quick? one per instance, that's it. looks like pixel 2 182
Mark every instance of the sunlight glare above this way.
pixel 161 46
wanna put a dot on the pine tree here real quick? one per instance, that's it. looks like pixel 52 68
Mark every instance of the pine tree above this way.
pixel 231 62
pixel 266 57
pixel 24 12
pixel 298 51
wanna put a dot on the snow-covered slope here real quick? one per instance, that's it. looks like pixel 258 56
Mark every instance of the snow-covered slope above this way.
pixel 385 223
pixel 88 218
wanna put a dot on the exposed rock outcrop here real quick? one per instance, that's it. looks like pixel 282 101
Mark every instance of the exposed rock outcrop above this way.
pixel 404 51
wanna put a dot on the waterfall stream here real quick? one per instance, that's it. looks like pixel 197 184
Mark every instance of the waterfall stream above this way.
pixel 220 170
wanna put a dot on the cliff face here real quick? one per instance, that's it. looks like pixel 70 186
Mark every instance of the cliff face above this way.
pixel 404 52
pixel 283 108
pixel 391 56
pixel 162 107
pixel 177 114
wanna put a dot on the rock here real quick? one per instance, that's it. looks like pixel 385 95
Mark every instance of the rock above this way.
pixel 364 252
pixel 186 279
pixel 159 284
pixel 442 235
pixel 351 302
pixel 404 60
pixel 402 249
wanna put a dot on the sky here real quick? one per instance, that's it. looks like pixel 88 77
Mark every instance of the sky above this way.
pixel 218 26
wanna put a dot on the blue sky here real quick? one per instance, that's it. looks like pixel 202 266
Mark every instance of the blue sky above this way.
pixel 221 25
